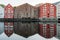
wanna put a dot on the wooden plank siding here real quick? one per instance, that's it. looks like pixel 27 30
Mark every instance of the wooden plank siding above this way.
pixel 8 14
pixel 26 11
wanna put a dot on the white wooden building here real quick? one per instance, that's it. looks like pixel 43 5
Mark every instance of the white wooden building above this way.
pixel 57 4
pixel 1 16
pixel 58 30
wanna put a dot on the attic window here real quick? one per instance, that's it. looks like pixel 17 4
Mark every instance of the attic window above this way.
pixel 51 5
pixel 44 5
pixel 8 10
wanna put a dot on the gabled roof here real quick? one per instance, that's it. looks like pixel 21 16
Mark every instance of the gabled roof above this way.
pixel 9 5
pixel 56 3
pixel 25 4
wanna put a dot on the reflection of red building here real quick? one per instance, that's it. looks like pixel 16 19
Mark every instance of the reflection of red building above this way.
pixel 47 30
pixel 8 28
pixel 8 25
pixel 47 11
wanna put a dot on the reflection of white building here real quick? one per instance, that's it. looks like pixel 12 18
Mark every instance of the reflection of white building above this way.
pixel 57 4
pixel 1 16
pixel 1 27
pixel 58 30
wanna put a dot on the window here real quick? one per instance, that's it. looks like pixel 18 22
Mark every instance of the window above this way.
pixel 27 14
pixel 51 11
pixel 44 11
pixel 0 13
pixel 8 10
pixel 44 16
pixel 45 5
pixel 51 16
pixel 51 5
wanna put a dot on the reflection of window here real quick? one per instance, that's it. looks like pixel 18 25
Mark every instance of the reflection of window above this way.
pixel 8 24
pixel 44 27
pixel 51 25
pixel 6 28
pixel 44 24
pixel 11 28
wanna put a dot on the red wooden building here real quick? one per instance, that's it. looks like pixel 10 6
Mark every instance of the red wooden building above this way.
pixel 8 15
pixel 8 11
pixel 47 11
pixel 47 30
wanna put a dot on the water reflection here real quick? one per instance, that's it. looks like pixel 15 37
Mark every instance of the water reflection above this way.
pixel 25 29
pixel 47 30
pixel 1 27
pixel 8 28
pixel 58 31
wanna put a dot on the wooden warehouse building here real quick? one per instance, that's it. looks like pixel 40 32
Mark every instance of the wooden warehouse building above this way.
pixel 47 12
pixel 26 11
